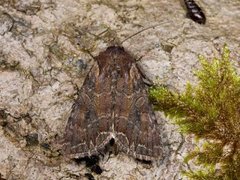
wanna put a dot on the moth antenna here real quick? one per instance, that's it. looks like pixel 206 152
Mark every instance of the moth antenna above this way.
pixel 98 35
pixel 140 58
pixel 144 29
pixel 101 33
pixel 88 52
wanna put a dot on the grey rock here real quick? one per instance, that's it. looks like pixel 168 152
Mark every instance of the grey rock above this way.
pixel 6 23
pixel 42 81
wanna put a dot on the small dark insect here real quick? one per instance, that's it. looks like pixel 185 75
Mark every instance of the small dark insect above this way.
pixel 194 12
pixel 113 104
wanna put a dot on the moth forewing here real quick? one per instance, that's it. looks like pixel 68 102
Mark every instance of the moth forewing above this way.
pixel 113 104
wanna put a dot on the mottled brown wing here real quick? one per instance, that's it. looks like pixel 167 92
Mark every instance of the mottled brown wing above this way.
pixel 135 124
pixel 88 127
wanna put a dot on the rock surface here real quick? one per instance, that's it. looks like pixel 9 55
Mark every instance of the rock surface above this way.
pixel 43 62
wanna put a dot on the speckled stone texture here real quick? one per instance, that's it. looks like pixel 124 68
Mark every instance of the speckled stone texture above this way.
pixel 44 59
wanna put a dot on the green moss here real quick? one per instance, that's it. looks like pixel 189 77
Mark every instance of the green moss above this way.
pixel 210 111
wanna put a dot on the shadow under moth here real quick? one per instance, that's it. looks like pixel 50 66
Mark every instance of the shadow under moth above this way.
pixel 113 105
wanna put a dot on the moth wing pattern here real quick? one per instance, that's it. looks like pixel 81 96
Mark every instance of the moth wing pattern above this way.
pixel 113 104
pixel 87 131
pixel 135 124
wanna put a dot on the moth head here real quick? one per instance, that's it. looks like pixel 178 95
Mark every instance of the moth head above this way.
pixel 115 49
pixel 115 57
pixel 116 53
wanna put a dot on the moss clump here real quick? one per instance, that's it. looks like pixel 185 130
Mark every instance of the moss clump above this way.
pixel 210 111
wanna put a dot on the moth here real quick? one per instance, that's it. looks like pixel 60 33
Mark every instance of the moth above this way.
pixel 194 12
pixel 113 105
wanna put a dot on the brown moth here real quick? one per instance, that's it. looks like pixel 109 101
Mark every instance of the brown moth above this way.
pixel 113 104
